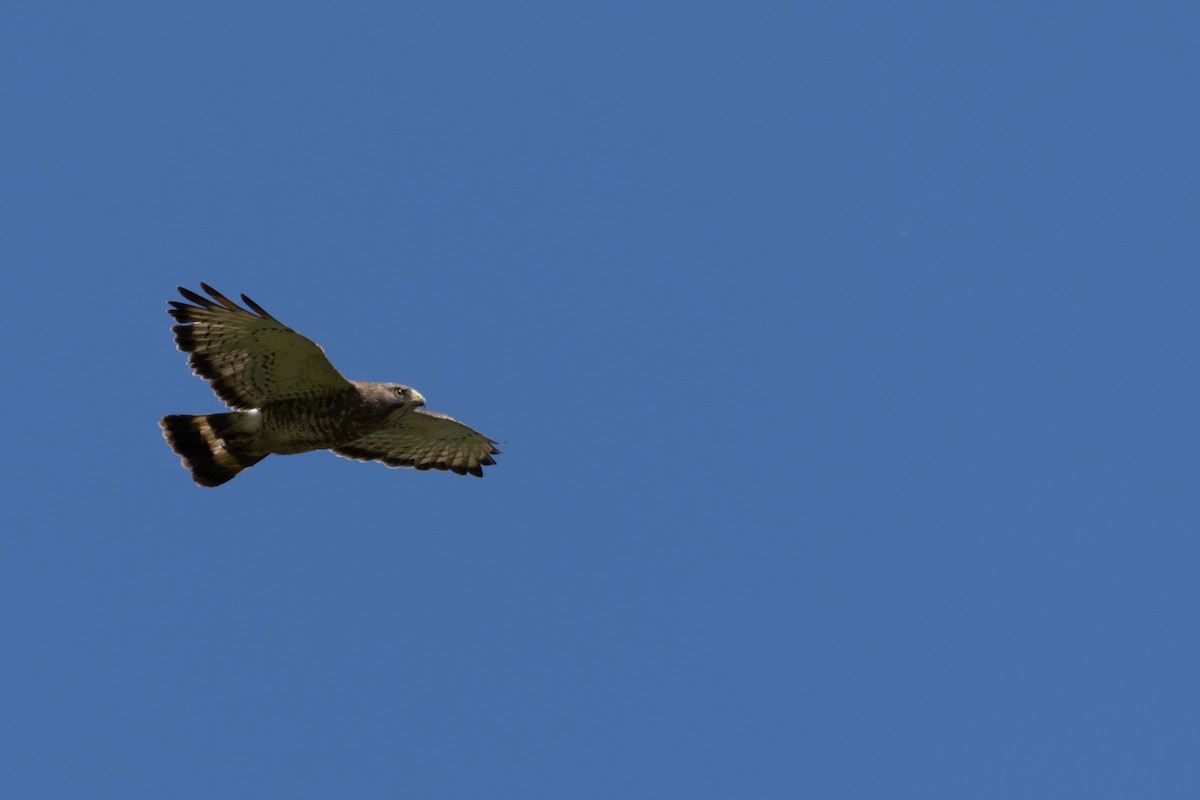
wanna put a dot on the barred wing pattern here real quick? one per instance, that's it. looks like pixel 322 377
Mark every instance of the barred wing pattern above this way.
pixel 424 440
pixel 248 357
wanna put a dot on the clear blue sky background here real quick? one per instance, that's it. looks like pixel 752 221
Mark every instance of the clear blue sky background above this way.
pixel 845 354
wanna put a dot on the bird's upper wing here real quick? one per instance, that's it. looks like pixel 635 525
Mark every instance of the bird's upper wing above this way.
pixel 249 357
pixel 424 440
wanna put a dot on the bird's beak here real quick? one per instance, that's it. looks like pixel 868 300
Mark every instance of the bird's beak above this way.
pixel 417 398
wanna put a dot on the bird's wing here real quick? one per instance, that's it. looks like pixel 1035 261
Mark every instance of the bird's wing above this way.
pixel 424 440
pixel 248 357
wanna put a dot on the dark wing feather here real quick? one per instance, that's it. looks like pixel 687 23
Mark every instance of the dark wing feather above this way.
pixel 250 358
pixel 424 440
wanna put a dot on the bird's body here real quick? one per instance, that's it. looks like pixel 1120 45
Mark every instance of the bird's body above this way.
pixel 289 399
pixel 287 427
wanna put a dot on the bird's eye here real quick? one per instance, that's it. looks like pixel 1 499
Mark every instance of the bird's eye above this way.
pixel 399 392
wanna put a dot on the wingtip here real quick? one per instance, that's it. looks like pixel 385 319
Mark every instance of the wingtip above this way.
pixel 198 299
pixel 256 308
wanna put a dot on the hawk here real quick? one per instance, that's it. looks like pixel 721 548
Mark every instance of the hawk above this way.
pixel 288 398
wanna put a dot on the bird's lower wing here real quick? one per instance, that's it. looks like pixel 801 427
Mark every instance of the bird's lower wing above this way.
pixel 425 440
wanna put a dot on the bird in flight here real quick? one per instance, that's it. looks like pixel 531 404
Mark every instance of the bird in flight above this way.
pixel 288 398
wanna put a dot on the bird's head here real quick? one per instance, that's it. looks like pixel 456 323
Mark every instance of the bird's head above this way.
pixel 389 396
pixel 401 395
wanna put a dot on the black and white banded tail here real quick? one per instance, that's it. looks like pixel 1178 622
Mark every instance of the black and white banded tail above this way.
pixel 209 445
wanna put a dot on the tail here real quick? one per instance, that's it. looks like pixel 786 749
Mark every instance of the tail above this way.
pixel 209 445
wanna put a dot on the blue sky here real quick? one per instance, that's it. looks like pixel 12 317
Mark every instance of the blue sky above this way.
pixel 844 354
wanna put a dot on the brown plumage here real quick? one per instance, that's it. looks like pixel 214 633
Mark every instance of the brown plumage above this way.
pixel 288 398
